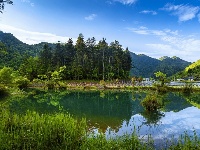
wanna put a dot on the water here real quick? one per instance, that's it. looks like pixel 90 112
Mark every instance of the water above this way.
pixel 117 113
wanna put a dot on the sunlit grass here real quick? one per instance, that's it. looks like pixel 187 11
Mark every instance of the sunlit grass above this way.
pixel 57 131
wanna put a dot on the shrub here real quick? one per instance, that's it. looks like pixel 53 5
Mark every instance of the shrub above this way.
pixel 3 91
pixel 22 82
pixel 151 102
pixel 50 85
pixel 188 88
pixel 5 75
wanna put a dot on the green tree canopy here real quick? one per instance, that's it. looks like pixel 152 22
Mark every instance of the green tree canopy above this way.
pixel 161 76
pixel 6 75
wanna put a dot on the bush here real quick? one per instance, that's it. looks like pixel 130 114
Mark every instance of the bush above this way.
pixel 151 102
pixel 3 91
pixel 188 88
pixel 22 82
pixel 5 75
pixel 50 85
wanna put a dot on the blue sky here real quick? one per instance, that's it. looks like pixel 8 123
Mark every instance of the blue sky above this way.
pixel 153 27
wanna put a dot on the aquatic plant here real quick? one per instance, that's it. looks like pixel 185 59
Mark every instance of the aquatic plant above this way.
pixel 151 102
pixel 186 142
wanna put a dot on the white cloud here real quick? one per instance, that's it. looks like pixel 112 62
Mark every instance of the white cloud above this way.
pixel 126 2
pixel 91 17
pixel 145 31
pixel 171 43
pixel 29 2
pixel 30 37
pixel 183 12
pixel 149 12
pixel 198 17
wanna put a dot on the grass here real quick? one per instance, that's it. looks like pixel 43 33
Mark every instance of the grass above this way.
pixel 58 131
pixel 186 142
pixel 34 131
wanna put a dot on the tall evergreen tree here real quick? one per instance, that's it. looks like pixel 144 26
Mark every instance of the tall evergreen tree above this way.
pixel 45 59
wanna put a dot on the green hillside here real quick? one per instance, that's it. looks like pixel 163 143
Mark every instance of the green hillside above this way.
pixel 16 51
pixel 146 66
pixel 192 71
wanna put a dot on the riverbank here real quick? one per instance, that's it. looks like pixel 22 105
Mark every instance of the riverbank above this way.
pixel 102 85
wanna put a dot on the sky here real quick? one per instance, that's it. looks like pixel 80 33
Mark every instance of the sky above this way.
pixel 152 27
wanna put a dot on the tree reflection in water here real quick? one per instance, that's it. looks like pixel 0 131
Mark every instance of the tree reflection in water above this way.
pixel 152 117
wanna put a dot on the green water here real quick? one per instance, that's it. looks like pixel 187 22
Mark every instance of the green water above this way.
pixel 117 112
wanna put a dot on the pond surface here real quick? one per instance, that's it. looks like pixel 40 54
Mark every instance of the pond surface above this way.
pixel 117 113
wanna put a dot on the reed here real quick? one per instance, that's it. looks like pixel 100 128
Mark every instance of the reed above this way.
pixel 57 131
pixel 34 131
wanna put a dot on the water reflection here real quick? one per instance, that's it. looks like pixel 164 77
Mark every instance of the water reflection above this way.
pixel 117 113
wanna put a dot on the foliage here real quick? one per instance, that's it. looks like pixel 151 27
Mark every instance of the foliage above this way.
pixel 152 102
pixel 30 68
pixel 6 75
pixel 188 88
pixel 3 91
pixel 50 84
pixel 21 82
pixel 86 59
pixel 186 142
pixel 145 66
pixel 56 131
pixel 34 131
pixel 161 76
pixel 190 72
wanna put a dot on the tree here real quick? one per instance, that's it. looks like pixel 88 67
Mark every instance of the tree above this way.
pixel 29 68
pixel 79 59
pixel 103 46
pixel 2 4
pixel 5 75
pixel 45 59
pixel 126 62
pixel 3 52
pixel 161 76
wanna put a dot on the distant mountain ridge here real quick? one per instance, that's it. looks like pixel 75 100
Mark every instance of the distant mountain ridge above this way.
pixel 143 65
pixel 146 66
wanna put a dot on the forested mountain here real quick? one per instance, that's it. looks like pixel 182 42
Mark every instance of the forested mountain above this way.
pixel 16 52
pixel 83 59
pixel 146 66
pixel 191 71
pixel 143 65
